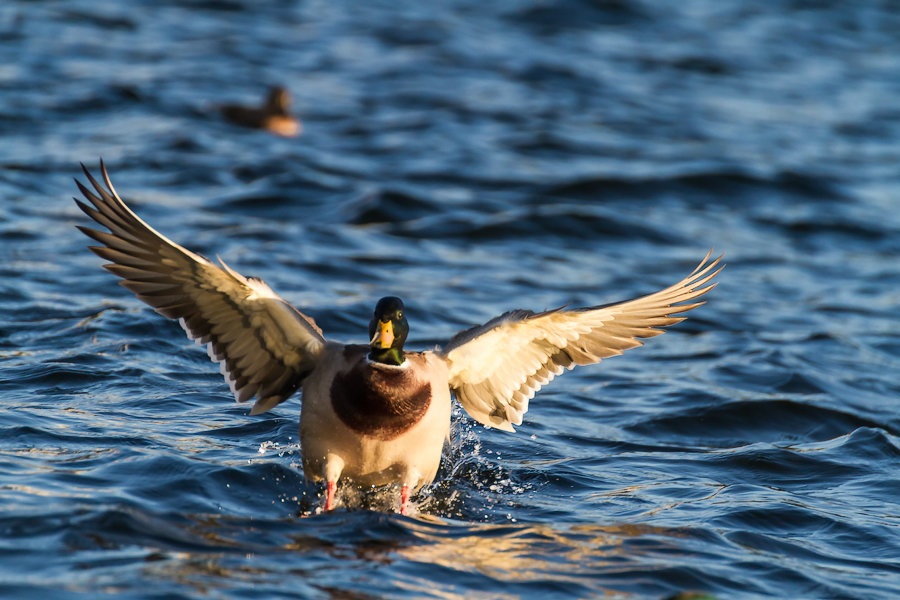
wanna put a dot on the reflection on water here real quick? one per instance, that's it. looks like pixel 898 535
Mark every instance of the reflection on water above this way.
pixel 528 552
pixel 565 559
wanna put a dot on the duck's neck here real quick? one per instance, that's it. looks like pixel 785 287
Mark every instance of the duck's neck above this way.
pixel 388 356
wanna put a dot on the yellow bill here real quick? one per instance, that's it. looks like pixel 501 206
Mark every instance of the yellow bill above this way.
pixel 384 335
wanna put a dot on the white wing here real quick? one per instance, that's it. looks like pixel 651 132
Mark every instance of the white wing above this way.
pixel 496 368
pixel 265 346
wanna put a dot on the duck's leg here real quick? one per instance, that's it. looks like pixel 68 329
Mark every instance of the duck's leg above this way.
pixel 330 488
pixel 404 499
pixel 411 479
pixel 334 464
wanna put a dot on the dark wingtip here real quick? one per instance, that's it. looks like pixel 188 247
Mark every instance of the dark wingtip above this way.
pixel 87 172
pixel 84 207
pixel 105 174
pixel 87 194
pixel 91 233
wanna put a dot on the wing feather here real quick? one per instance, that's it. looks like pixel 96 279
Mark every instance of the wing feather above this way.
pixel 496 368
pixel 265 346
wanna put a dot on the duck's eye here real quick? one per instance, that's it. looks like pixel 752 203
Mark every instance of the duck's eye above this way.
pixel 399 314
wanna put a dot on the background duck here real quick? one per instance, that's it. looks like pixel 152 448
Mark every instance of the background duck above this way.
pixel 373 414
pixel 273 116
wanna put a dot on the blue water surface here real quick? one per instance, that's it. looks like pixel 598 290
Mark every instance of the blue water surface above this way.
pixel 470 157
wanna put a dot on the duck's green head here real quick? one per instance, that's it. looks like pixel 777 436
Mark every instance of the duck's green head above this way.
pixel 387 331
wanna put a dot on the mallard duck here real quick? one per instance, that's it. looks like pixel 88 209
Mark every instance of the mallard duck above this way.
pixel 375 413
pixel 273 116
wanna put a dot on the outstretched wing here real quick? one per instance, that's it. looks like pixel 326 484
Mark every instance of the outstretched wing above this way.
pixel 265 346
pixel 496 368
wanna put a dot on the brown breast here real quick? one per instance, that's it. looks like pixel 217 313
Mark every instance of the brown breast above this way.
pixel 379 403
